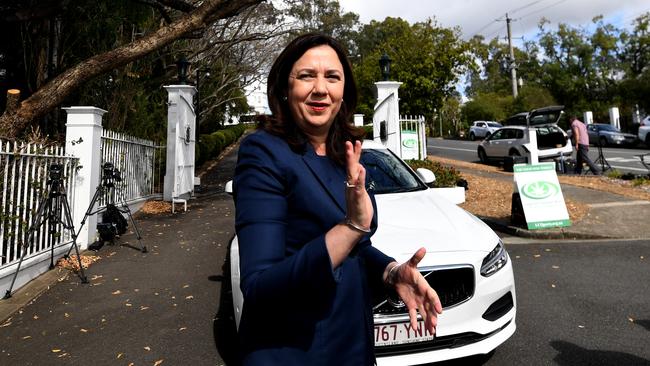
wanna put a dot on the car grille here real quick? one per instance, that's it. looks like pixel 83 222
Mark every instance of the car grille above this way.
pixel 453 285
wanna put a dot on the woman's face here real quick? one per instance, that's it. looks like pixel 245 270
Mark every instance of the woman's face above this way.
pixel 315 90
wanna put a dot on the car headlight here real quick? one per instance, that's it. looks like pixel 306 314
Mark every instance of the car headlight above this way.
pixel 494 261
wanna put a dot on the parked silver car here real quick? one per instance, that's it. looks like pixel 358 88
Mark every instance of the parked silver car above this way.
pixel 603 134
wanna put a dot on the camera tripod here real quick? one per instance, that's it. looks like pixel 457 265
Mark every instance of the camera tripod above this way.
pixel 106 190
pixel 53 209
pixel 604 165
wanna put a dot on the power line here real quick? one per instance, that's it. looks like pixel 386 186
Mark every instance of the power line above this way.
pixel 486 26
pixel 542 9
pixel 525 6
pixel 511 12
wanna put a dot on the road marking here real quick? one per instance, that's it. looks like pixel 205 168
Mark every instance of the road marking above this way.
pixel 450 148
pixel 629 168
pixel 618 204
pixel 624 160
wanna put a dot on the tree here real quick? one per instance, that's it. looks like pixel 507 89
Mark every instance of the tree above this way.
pixel 487 107
pixel 426 58
pixel 324 16
pixel 635 57
pixel 192 18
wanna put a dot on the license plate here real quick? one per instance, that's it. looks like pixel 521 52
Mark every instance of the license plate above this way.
pixel 400 333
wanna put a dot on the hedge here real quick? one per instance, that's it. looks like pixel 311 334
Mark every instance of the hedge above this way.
pixel 445 176
pixel 209 146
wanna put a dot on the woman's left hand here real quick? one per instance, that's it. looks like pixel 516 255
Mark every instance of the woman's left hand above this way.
pixel 416 292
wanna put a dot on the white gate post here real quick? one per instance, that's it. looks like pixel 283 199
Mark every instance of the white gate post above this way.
pixel 83 140
pixel 179 166
pixel 614 117
pixel 358 120
pixel 384 90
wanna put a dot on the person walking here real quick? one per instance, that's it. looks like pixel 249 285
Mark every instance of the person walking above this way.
pixel 304 220
pixel 581 138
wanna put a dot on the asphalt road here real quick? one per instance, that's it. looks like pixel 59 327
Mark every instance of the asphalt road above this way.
pixel 621 159
pixel 578 303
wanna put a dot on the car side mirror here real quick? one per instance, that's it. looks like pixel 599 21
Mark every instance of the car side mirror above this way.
pixel 228 187
pixel 426 175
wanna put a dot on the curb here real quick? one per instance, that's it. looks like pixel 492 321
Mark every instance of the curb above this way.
pixel 539 234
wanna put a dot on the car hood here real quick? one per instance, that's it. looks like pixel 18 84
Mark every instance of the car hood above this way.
pixel 615 133
pixel 409 221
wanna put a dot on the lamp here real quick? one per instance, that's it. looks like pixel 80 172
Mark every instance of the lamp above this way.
pixel 384 66
pixel 182 65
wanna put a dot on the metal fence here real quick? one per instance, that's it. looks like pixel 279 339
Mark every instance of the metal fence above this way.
pixel 139 163
pixel 23 175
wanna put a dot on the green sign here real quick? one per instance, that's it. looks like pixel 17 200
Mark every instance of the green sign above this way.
pixel 541 196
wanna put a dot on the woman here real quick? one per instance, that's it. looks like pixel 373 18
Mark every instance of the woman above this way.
pixel 304 221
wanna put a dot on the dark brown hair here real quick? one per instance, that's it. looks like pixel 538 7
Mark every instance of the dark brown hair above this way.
pixel 281 122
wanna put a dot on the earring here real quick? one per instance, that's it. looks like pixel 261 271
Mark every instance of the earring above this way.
pixel 284 98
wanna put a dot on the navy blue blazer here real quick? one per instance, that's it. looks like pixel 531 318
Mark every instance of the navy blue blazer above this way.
pixel 297 309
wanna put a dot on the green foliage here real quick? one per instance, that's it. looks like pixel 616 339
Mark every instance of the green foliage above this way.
pixel 445 176
pixel 369 131
pixel 641 181
pixel 487 107
pixel 614 174
pixel 209 146
pixel 325 16
pixel 426 58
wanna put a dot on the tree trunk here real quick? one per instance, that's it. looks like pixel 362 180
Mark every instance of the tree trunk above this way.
pixel 57 89
pixel 13 101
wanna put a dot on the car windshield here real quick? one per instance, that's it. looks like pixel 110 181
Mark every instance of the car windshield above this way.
pixel 608 128
pixel 388 174
pixel 494 124
pixel 546 118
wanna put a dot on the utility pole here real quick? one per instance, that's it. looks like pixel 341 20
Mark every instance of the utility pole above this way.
pixel 511 61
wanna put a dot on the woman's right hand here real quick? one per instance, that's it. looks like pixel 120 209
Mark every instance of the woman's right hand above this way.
pixel 359 206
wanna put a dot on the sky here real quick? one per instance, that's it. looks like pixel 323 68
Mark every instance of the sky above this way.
pixel 488 17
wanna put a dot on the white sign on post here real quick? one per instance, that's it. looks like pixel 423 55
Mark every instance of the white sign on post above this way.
pixel 410 145
pixel 541 196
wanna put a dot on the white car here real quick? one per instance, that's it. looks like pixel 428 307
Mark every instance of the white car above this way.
pixel 483 129
pixel 466 263
pixel 513 140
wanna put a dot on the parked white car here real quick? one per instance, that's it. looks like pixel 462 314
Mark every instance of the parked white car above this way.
pixel 483 129
pixel 512 140
pixel 466 263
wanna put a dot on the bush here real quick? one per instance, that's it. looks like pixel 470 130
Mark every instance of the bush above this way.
pixel 369 132
pixel 445 176
pixel 209 146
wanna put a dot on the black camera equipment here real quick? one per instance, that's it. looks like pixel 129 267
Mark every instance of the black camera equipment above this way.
pixel 113 222
pixel 604 165
pixel 55 210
